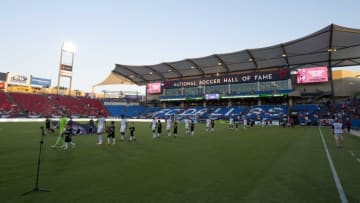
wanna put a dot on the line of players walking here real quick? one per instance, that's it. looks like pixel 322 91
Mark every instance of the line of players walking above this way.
pixel 64 139
pixel 171 126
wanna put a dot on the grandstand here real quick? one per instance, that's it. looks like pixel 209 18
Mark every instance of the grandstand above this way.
pixel 16 104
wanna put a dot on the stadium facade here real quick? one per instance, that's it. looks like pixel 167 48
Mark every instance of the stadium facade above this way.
pixel 300 70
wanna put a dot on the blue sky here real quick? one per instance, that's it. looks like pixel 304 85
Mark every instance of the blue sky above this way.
pixel 149 32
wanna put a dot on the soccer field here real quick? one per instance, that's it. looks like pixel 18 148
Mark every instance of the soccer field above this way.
pixel 270 164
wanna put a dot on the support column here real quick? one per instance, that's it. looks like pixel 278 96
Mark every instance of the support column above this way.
pixel 290 101
pixel 229 103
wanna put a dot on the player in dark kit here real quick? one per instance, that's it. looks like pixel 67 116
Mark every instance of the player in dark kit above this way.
pixel 48 126
pixel 111 133
pixel 175 129
pixel 192 127
pixel 212 125
pixel 68 136
pixel 91 126
pixel 132 130
pixel 159 128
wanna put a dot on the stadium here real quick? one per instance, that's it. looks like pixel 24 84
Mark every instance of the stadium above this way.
pixel 282 99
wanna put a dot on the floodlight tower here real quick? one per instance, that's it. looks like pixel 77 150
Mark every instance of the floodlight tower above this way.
pixel 66 63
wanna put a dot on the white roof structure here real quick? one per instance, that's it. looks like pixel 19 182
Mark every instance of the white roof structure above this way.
pixel 332 46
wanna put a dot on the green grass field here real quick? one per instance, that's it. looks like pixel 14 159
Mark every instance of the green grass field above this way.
pixel 270 164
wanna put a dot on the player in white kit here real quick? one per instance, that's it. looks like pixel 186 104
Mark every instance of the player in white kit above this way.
pixel 208 124
pixel 123 125
pixel 168 126
pixel 187 126
pixel 231 123
pixel 338 129
pixel 245 122
pixel 100 127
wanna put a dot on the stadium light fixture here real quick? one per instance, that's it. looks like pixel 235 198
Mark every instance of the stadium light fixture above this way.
pixel 283 55
pixel 250 59
pixel 219 64
pixel 331 49
pixel 69 47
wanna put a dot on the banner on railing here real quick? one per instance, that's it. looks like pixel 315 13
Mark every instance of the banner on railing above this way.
pixel 15 79
pixel 40 82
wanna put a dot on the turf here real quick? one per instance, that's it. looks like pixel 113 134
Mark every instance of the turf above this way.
pixel 271 164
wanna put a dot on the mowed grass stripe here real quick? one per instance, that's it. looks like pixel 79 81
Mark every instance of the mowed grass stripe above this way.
pixel 254 165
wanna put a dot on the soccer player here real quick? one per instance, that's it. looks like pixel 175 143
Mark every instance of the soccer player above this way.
pixel 168 126
pixel 187 125
pixel 153 127
pixel 123 125
pixel 132 130
pixel 68 135
pixel 231 123
pixel 338 129
pixel 159 128
pixel 212 125
pixel 48 126
pixel 100 127
pixel 91 126
pixel 208 124
pixel 111 133
pixel 237 121
pixel 175 129
pixel 244 122
pixel 62 124
pixel 192 127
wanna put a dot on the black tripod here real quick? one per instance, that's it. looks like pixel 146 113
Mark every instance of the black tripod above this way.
pixel 36 188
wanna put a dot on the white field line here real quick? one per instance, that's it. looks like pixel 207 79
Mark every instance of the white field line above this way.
pixel 358 159
pixel 333 170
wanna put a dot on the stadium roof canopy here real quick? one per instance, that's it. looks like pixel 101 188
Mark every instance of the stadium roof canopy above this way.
pixel 332 46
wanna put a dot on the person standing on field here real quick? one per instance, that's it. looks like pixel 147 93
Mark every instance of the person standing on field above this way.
pixel 187 126
pixel 338 129
pixel 192 127
pixel 62 124
pixel 123 125
pixel 111 133
pixel 153 127
pixel 100 128
pixel 175 131
pixel 159 128
pixel 168 126
pixel 132 130
pixel 208 124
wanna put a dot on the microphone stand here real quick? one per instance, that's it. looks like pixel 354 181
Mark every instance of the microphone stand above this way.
pixel 36 188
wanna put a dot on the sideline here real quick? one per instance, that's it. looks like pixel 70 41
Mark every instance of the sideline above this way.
pixel 355 132
pixel 333 170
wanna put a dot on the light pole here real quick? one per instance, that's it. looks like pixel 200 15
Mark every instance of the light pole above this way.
pixel 66 63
